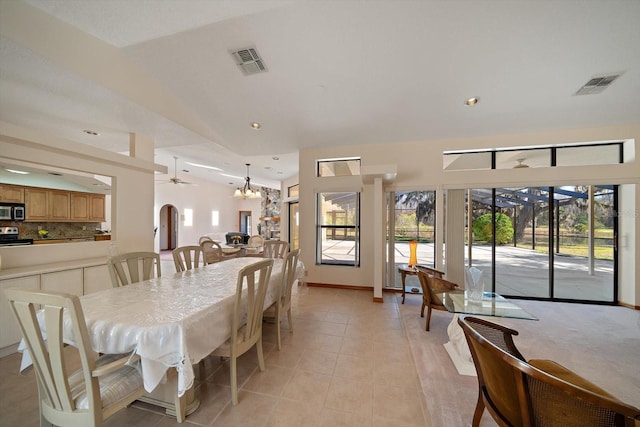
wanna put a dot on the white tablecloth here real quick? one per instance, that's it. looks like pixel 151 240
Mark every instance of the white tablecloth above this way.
pixel 171 321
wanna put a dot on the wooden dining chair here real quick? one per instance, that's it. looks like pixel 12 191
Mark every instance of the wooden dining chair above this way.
pixel 255 244
pixel 246 323
pixel 100 388
pixel 538 392
pixel 275 248
pixel 133 267
pixel 187 258
pixel 282 304
pixel 211 251
pixel 203 239
pixel 431 284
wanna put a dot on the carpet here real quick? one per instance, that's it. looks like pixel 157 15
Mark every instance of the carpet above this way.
pixel 600 343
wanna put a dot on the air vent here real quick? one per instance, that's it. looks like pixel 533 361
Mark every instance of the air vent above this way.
pixel 597 84
pixel 249 61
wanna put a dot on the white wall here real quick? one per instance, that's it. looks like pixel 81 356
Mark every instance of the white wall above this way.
pixel 203 198
pixel 131 201
pixel 419 166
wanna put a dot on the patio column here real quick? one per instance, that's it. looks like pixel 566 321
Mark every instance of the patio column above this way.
pixel 591 234
pixel 454 248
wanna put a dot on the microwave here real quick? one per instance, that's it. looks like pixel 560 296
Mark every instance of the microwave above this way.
pixel 12 212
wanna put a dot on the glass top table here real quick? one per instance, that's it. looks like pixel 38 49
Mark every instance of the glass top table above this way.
pixel 492 304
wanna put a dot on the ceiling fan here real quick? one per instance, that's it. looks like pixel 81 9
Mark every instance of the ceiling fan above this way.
pixel 175 179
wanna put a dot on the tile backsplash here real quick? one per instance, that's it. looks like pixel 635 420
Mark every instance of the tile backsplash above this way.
pixel 57 230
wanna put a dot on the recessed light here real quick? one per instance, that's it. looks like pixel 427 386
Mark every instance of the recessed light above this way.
pixel 276 158
pixel 55 173
pixel 91 132
pixel 471 101
pixel 255 125
pixel 17 171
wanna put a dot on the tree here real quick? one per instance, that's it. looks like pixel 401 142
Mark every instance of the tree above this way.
pixel 482 228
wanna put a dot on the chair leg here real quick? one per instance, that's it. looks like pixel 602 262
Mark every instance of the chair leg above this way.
pixel 260 354
pixel 290 320
pixel 234 380
pixel 426 328
pixel 422 309
pixel 477 415
pixel 278 314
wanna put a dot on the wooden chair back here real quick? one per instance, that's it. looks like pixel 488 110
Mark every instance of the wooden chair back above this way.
pixel 246 323
pixel 133 267
pixel 68 397
pixel 518 394
pixel 275 248
pixel 431 282
pixel 187 258
pixel 211 251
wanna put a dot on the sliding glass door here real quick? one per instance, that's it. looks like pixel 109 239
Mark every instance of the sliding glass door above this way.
pixel 545 242
pixel 412 217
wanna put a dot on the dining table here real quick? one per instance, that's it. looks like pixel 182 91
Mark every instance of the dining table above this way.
pixel 171 322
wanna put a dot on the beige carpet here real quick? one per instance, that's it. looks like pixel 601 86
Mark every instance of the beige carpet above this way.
pixel 601 343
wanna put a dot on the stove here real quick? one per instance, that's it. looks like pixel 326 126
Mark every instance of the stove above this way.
pixel 9 237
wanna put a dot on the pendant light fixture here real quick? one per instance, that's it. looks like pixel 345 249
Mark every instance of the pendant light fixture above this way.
pixel 247 192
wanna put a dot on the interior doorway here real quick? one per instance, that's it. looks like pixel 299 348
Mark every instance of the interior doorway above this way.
pixel 168 227
pixel 244 221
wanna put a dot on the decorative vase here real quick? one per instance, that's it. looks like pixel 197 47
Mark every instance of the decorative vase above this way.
pixel 475 284
pixel 413 256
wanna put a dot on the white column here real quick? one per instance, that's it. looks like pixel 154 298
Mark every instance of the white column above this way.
pixel 378 239
pixel 439 237
pixel 591 235
pixel 454 248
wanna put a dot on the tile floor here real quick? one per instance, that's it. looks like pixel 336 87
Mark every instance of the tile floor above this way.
pixel 348 363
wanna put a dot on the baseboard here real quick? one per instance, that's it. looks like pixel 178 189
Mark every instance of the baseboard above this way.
pixel 377 299
pixel 631 306
pixel 331 285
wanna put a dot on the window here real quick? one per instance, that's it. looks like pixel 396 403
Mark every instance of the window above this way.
pixel 215 218
pixel 293 191
pixel 188 217
pixel 338 229
pixel 608 153
pixel 339 167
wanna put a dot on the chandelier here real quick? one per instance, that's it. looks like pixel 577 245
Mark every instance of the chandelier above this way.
pixel 247 192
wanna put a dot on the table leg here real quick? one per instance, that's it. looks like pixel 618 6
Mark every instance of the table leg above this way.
pixel 402 276
pixel 166 396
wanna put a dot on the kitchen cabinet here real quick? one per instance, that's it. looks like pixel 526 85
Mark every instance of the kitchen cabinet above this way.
pixel 73 277
pixel 97 208
pixel 9 331
pixel 59 205
pixel 11 193
pixel 79 206
pixel 96 279
pixel 37 204
pixel 68 281
pixel 48 205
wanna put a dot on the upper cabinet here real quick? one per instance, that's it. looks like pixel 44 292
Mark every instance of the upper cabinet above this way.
pixel 43 204
pixel 59 207
pixel 97 208
pixel 37 204
pixel 11 193
pixel 87 207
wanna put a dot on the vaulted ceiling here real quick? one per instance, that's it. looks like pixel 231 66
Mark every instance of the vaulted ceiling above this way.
pixel 337 73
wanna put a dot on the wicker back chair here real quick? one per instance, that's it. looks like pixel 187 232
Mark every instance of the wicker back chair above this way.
pixel 537 393
pixel 432 282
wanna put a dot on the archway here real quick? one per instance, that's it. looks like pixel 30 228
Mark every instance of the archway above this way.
pixel 168 227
